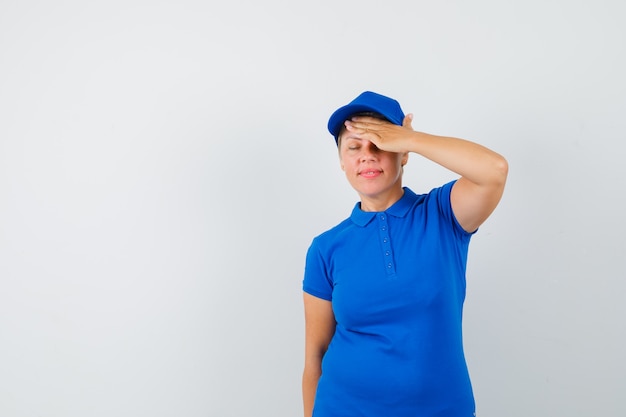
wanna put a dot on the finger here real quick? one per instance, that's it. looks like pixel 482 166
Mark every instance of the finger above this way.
pixel 353 126
pixel 367 119
pixel 364 125
pixel 408 119
pixel 363 130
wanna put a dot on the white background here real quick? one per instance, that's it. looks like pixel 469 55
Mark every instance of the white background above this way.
pixel 164 166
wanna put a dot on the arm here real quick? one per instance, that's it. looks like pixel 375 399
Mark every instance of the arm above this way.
pixel 319 329
pixel 483 172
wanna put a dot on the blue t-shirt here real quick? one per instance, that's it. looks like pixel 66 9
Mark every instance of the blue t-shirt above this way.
pixel 396 280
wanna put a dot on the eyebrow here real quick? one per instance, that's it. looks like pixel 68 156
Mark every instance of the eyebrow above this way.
pixel 349 139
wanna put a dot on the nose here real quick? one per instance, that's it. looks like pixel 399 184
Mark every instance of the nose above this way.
pixel 369 151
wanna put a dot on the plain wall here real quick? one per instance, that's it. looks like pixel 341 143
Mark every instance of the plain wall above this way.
pixel 164 166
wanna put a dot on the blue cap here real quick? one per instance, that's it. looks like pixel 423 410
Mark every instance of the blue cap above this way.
pixel 366 102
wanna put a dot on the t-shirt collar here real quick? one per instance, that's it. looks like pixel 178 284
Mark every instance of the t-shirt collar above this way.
pixel 399 209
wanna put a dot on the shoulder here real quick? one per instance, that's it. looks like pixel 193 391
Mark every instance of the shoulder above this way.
pixel 442 191
pixel 435 198
pixel 435 207
pixel 327 237
pixel 438 197
pixel 440 200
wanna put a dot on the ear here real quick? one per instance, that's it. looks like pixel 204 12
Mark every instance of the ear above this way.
pixel 405 158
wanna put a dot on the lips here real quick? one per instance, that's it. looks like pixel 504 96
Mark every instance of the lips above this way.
pixel 370 173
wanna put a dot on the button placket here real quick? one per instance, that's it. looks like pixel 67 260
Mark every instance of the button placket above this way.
pixel 383 229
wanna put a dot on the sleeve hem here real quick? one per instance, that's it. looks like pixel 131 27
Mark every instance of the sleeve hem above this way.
pixel 318 294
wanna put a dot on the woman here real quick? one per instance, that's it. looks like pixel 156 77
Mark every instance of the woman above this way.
pixel 384 289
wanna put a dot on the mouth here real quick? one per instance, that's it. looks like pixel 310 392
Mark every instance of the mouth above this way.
pixel 370 173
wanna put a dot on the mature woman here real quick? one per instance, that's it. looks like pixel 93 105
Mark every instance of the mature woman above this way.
pixel 384 289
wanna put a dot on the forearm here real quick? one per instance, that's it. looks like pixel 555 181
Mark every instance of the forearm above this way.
pixel 470 160
pixel 310 377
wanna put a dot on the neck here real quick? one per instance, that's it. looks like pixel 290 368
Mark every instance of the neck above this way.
pixel 381 203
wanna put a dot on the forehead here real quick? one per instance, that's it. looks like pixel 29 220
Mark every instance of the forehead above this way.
pixel 344 135
pixel 346 138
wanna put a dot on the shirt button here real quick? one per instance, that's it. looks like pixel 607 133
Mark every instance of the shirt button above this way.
pixel 387 253
pixel 382 217
pixel 383 228
pixel 389 265
pixel 385 240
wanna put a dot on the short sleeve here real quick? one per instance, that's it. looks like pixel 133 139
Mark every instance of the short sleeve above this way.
pixel 442 197
pixel 316 278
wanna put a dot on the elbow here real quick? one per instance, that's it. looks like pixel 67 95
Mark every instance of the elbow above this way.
pixel 500 170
